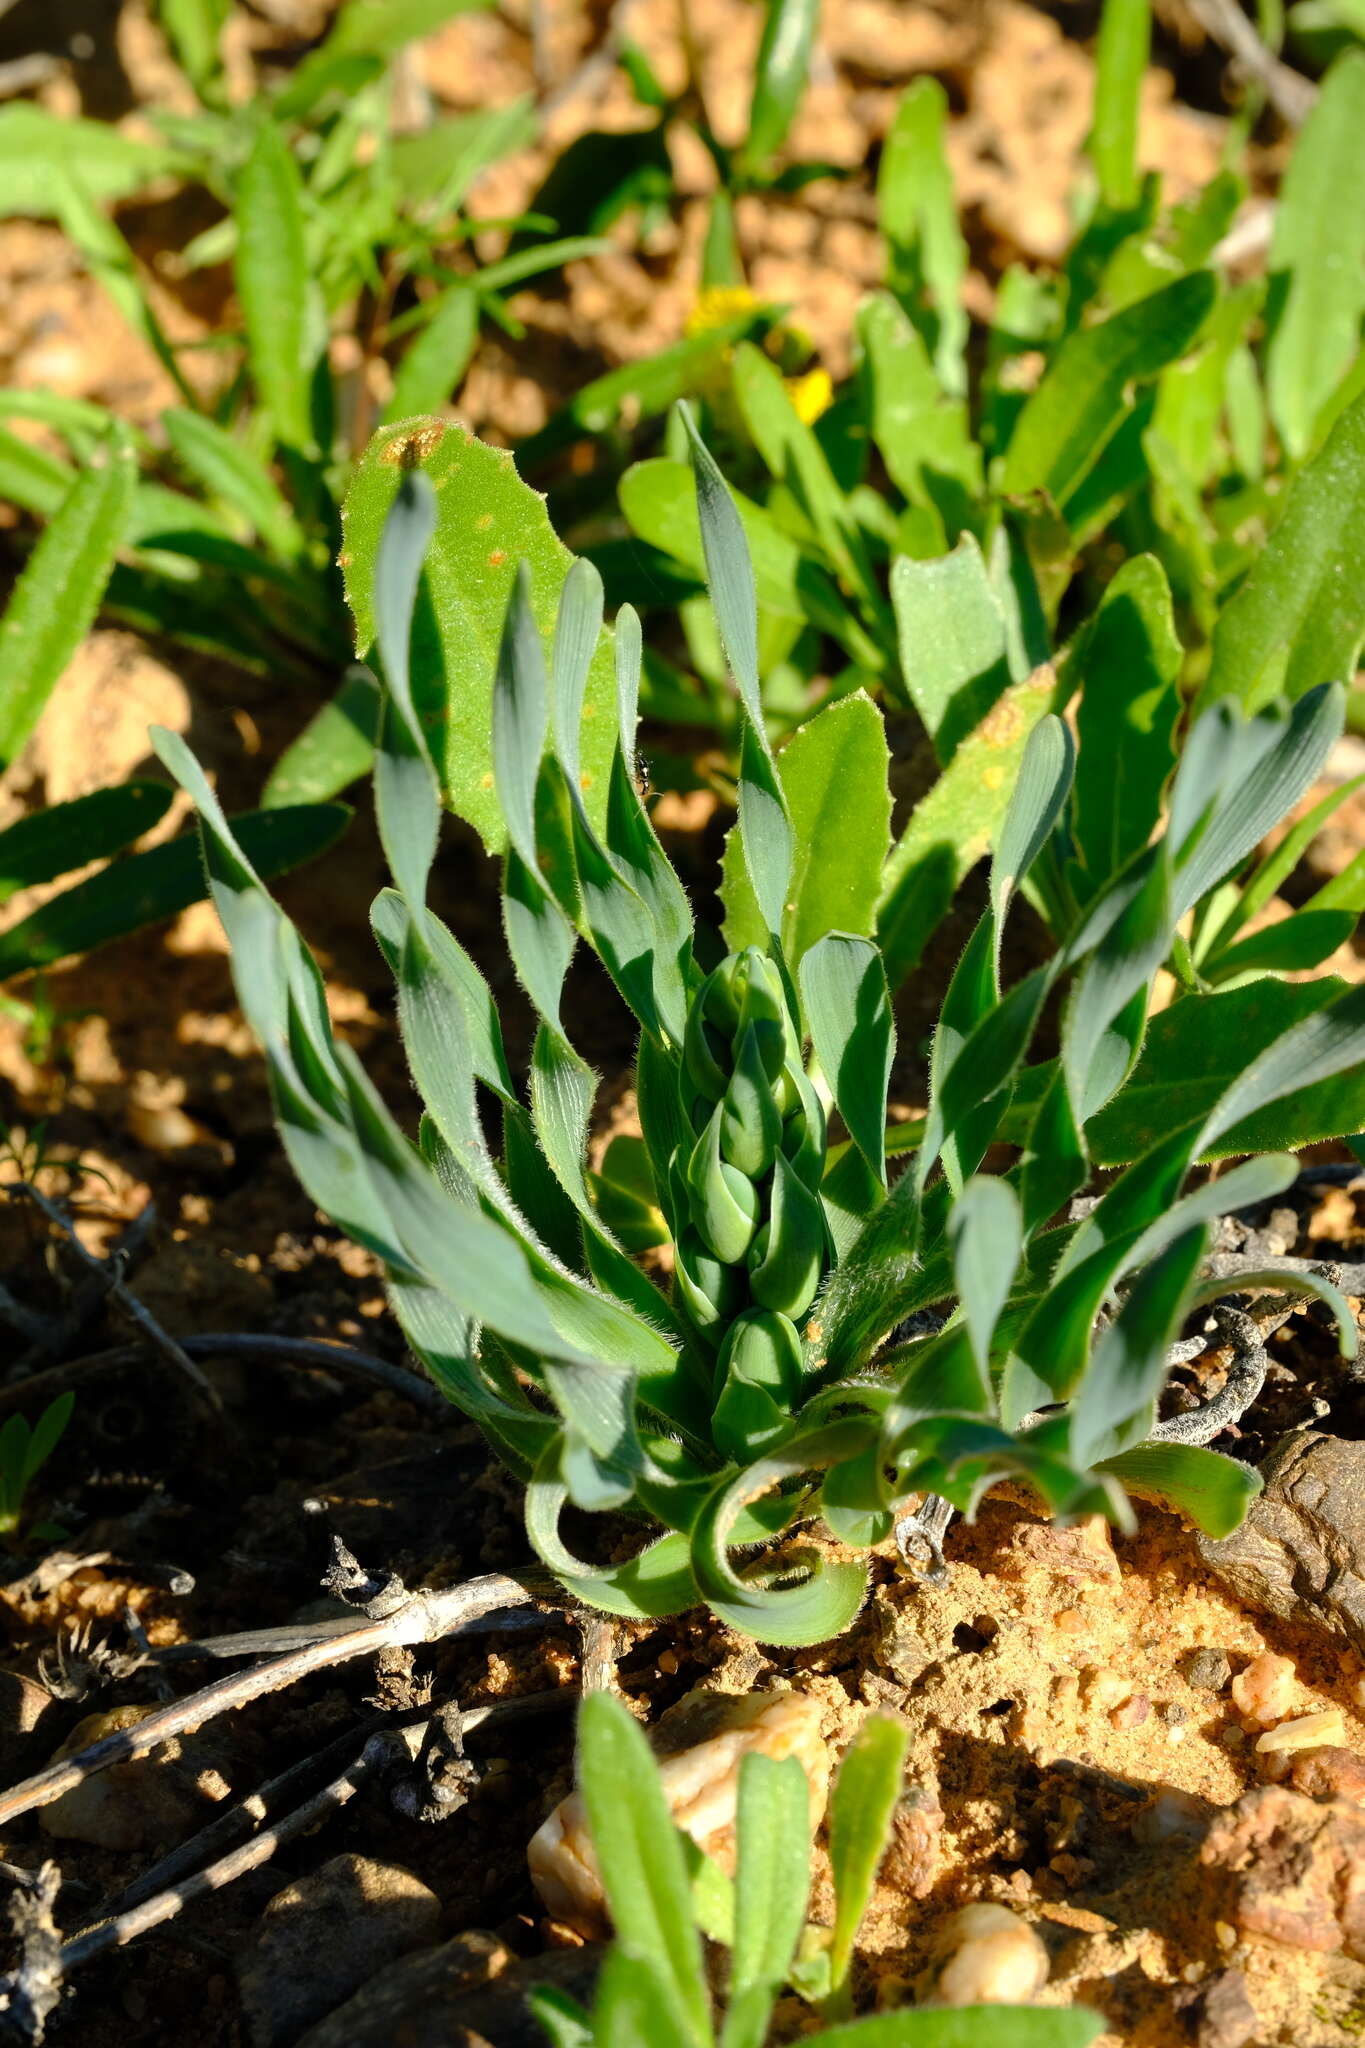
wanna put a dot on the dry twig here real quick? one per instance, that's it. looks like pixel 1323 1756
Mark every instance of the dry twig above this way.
pixel 109 1274
pixel 426 1617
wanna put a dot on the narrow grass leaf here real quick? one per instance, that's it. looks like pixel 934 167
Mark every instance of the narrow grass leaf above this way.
pixel 860 1809
pixel 60 589
pixel 1083 396
pixel 644 1872
pixel 273 274
pixel 1317 259
pixel 1120 66
pixel 770 1892
pixel 1296 620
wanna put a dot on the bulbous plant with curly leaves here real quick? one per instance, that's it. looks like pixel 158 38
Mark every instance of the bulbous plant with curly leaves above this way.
pixel 759 1392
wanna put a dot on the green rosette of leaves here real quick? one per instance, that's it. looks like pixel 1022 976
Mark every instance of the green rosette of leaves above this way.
pixel 824 1342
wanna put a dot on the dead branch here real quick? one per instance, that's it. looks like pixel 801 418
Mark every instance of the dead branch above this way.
pixel 309 1353
pixel 382 1749
pixel 109 1274
pixel 427 1617
pixel 1291 94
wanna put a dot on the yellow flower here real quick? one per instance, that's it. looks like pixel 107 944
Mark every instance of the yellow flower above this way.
pixel 811 395
pixel 717 304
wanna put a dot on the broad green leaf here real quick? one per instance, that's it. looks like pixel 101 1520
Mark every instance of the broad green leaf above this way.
pixel 60 589
pixel 985 1234
pixel 1298 618
pixel 144 888
pixel 1260 769
pixel 1196 1050
pixel 63 837
pixel 1213 1491
pixel 1304 940
pixel 1327 1044
pixel 923 435
pixel 1317 258
pixel 334 749
pixel 633 2007
pixel 273 275
pixel 488 520
pixel 951 634
pixel 40 152
pixel 954 825
pixel 1127 663
pixel 1275 869
pixel 1194 394
pixel 779 78
pixel 843 990
pixel 770 1890
pixel 765 829
pixel 926 254
pixel 1084 394
pixel 860 1809
pixel 644 1873
pixel 834 775
pixel 1120 65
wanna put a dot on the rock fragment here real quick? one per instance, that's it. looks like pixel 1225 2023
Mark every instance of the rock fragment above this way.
pixel 323 1937
pixel 150 1802
pixel 1300 1553
pixel 1223 2014
pixel 707 1735
pixel 1264 1692
pixel 468 1993
pixel 1305 1731
pixel 988 1956
pixel 1294 1869
pixel 1206 1669
pixel 914 1854
pixel 1329 1774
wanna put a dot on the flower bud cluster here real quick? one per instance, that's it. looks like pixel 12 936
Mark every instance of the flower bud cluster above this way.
pixel 750 1248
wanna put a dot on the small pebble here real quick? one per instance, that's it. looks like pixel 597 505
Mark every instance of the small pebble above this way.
pixel 1308 1731
pixel 1329 1774
pixel 992 1957
pixel 1132 1713
pixel 1104 1689
pixel 1174 1715
pixel 1207 1670
pixel 1264 1692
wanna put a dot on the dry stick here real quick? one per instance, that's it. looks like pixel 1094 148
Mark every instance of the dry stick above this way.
pixel 386 1745
pixel 250 1856
pixel 424 1618
pixel 123 1297
pixel 307 1352
pixel 1291 94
